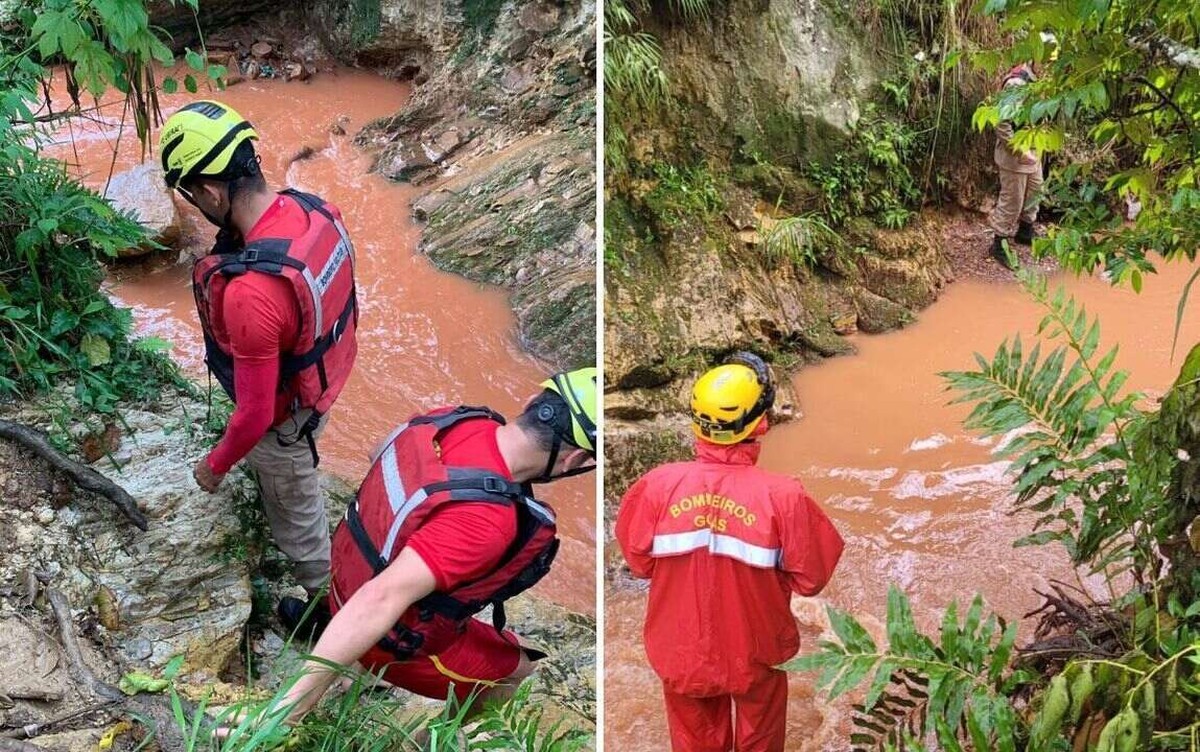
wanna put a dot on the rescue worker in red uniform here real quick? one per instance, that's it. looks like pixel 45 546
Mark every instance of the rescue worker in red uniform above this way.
pixel 724 545
pixel 278 311
pixel 445 524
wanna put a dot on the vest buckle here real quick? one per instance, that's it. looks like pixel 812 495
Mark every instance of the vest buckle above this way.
pixel 249 256
pixel 492 484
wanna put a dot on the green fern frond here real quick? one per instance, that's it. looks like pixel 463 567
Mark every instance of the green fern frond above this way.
pixel 1062 420
pixel 633 74
pixel 517 725
pixel 950 689
pixel 797 240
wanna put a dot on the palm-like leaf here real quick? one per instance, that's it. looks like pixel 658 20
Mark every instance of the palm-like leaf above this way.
pixel 952 689
pixel 1064 422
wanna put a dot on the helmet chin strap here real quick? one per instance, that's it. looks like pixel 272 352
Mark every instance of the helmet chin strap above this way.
pixel 548 474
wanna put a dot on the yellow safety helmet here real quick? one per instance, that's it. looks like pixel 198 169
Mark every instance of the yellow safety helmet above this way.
pixel 729 401
pixel 578 390
pixel 200 139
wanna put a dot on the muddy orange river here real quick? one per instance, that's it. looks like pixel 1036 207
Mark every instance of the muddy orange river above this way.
pixel 426 338
pixel 921 502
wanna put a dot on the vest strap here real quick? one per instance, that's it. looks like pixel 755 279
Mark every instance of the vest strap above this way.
pixel 442 421
pixel 362 540
pixel 294 364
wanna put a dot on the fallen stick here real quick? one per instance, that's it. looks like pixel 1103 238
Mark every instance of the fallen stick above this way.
pixel 82 475
pixel 30 730
pixel 32 693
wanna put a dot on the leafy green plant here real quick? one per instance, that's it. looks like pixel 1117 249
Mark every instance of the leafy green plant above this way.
pixel 683 194
pixel 1070 428
pixel 798 240
pixel 517 725
pixel 1125 73
pixel 955 688
pixel 367 718
pixel 55 322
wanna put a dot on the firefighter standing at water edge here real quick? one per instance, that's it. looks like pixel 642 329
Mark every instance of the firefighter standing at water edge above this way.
pixel 1020 178
pixel 724 545
pixel 277 305
pixel 445 524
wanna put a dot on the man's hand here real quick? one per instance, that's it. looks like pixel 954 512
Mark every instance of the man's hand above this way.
pixel 1029 158
pixel 205 477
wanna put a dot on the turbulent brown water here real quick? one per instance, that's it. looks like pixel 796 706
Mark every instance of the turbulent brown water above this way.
pixel 921 502
pixel 426 338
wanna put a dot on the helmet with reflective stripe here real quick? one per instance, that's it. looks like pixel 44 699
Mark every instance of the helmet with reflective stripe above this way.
pixel 200 139
pixel 729 401
pixel 578 390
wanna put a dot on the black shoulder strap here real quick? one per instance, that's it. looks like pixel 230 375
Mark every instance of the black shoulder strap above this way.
pixel 463 412
pixel 310 202
pixel 268 256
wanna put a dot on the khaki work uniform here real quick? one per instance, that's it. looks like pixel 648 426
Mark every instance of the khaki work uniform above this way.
pixel 1020 181
pixel 292 498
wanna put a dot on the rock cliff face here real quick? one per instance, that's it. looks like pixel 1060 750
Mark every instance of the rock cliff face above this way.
pixel 779 79
pixel 501 130
pixel 759 89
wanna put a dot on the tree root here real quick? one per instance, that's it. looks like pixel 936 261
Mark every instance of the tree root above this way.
pixel 1072 626
pixel 82 475
pixel 80 671
pixel 155 711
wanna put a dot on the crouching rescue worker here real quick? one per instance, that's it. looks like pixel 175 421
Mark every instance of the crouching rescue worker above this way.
pixel 276 299
pixel 445 524
pixel 1020 180
pixel 724 545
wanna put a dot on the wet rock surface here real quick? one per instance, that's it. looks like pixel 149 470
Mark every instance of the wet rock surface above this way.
pixel 202 582
pixel 502 134
pixel 778 79
pixel 143 192
pixel 178 589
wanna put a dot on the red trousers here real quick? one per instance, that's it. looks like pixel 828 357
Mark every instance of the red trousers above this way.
pixel 753 722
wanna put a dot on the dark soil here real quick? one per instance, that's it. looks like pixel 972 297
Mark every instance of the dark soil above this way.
pixel 968 245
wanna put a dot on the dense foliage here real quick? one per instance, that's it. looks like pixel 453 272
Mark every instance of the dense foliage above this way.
pixel 1125 74
pixel 55 322
pixel 1112 480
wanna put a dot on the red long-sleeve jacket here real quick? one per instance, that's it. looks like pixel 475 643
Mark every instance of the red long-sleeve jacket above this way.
pixel 724 544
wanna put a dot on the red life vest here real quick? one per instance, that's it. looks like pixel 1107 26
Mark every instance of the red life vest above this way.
pixel 320 266
pixel 406 484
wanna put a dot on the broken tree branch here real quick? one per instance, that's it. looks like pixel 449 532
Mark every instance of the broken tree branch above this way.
pixel 82 475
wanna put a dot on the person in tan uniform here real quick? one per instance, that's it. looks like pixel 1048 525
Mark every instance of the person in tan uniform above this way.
pixel 1020 181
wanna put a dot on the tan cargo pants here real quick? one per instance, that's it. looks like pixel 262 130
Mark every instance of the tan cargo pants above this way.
pixel 1020 193
pixel 292 498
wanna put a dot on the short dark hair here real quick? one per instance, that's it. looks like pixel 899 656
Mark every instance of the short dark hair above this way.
pixel 249 177
pixel 537 423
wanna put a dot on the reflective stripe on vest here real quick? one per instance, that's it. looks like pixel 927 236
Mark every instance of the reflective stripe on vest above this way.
pixel 673 544
pixel 320 283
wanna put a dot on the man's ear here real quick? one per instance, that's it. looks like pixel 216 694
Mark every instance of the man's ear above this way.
pixel 212 190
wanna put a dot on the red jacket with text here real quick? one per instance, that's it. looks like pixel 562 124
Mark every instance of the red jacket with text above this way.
pixel 724 544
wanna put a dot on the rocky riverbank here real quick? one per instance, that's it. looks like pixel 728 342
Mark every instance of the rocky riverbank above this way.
pixel 200 583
